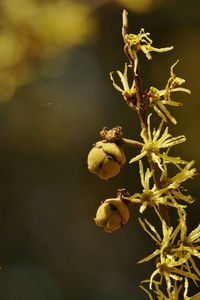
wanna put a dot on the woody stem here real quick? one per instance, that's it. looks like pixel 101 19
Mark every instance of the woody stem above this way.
pixel 142 110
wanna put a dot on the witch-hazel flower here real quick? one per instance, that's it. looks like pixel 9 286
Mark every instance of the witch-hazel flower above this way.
pixel 184 174
pixel 172 264
pixel 174 294
pixel 175 190
pixel 149 197
pixel 187 245
pixel 128 92
pixel 142 42
pixel 159 98
pixel 154 142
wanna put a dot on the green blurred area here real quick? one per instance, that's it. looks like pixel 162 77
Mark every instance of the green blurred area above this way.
pixel 56 95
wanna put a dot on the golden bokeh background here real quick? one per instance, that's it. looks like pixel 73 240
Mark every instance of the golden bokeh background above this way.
pixel 55 96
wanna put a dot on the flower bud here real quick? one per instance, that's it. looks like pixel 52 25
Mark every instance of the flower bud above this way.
pixel 106 159
pixel 112 214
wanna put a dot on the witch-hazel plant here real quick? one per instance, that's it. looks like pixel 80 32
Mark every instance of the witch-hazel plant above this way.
pixel 177 253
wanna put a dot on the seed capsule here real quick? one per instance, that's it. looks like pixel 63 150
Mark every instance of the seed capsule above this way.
pixel 112 214
pixel 106 159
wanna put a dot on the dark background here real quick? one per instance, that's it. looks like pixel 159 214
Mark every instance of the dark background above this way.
pixel 56 96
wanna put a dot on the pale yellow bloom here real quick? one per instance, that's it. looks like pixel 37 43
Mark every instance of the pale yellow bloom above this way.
pixel 149 197
pixel 173 256
pixel 184 174
pixel 127 92
pixel 175 183
pixel 155 142
pixel 159 98
pixel 142 42
pixel 187 245
pixel 173 294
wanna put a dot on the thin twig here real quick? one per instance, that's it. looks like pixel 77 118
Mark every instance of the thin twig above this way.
pixel 133 143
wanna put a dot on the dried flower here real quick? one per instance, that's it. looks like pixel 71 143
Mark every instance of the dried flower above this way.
pixel 112 214
pixel 142 42
pixel 106 159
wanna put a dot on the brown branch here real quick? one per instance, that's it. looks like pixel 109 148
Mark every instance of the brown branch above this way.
pixel 142 109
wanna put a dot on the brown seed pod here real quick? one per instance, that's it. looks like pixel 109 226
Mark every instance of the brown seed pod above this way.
pixel 112 214
pixel 106 159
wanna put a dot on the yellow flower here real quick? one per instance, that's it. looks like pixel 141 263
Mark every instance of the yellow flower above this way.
pixel 106 159
pixel 173 257
pixel 184 174
pixel 142 42
pixel 154 142
pixel 174 294
pixel 149 197
pixel 187 245
pixel 175 183
pixel 158 103
pixel 128 92
pixel 112 214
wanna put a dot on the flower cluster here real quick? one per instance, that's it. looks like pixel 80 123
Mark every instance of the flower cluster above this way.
pixel 175 254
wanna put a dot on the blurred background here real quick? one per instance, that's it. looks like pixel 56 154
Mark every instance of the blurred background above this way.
pixel 56 95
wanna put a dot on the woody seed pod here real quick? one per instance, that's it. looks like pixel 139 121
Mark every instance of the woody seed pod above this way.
pixel 106 159
pixel 112 214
